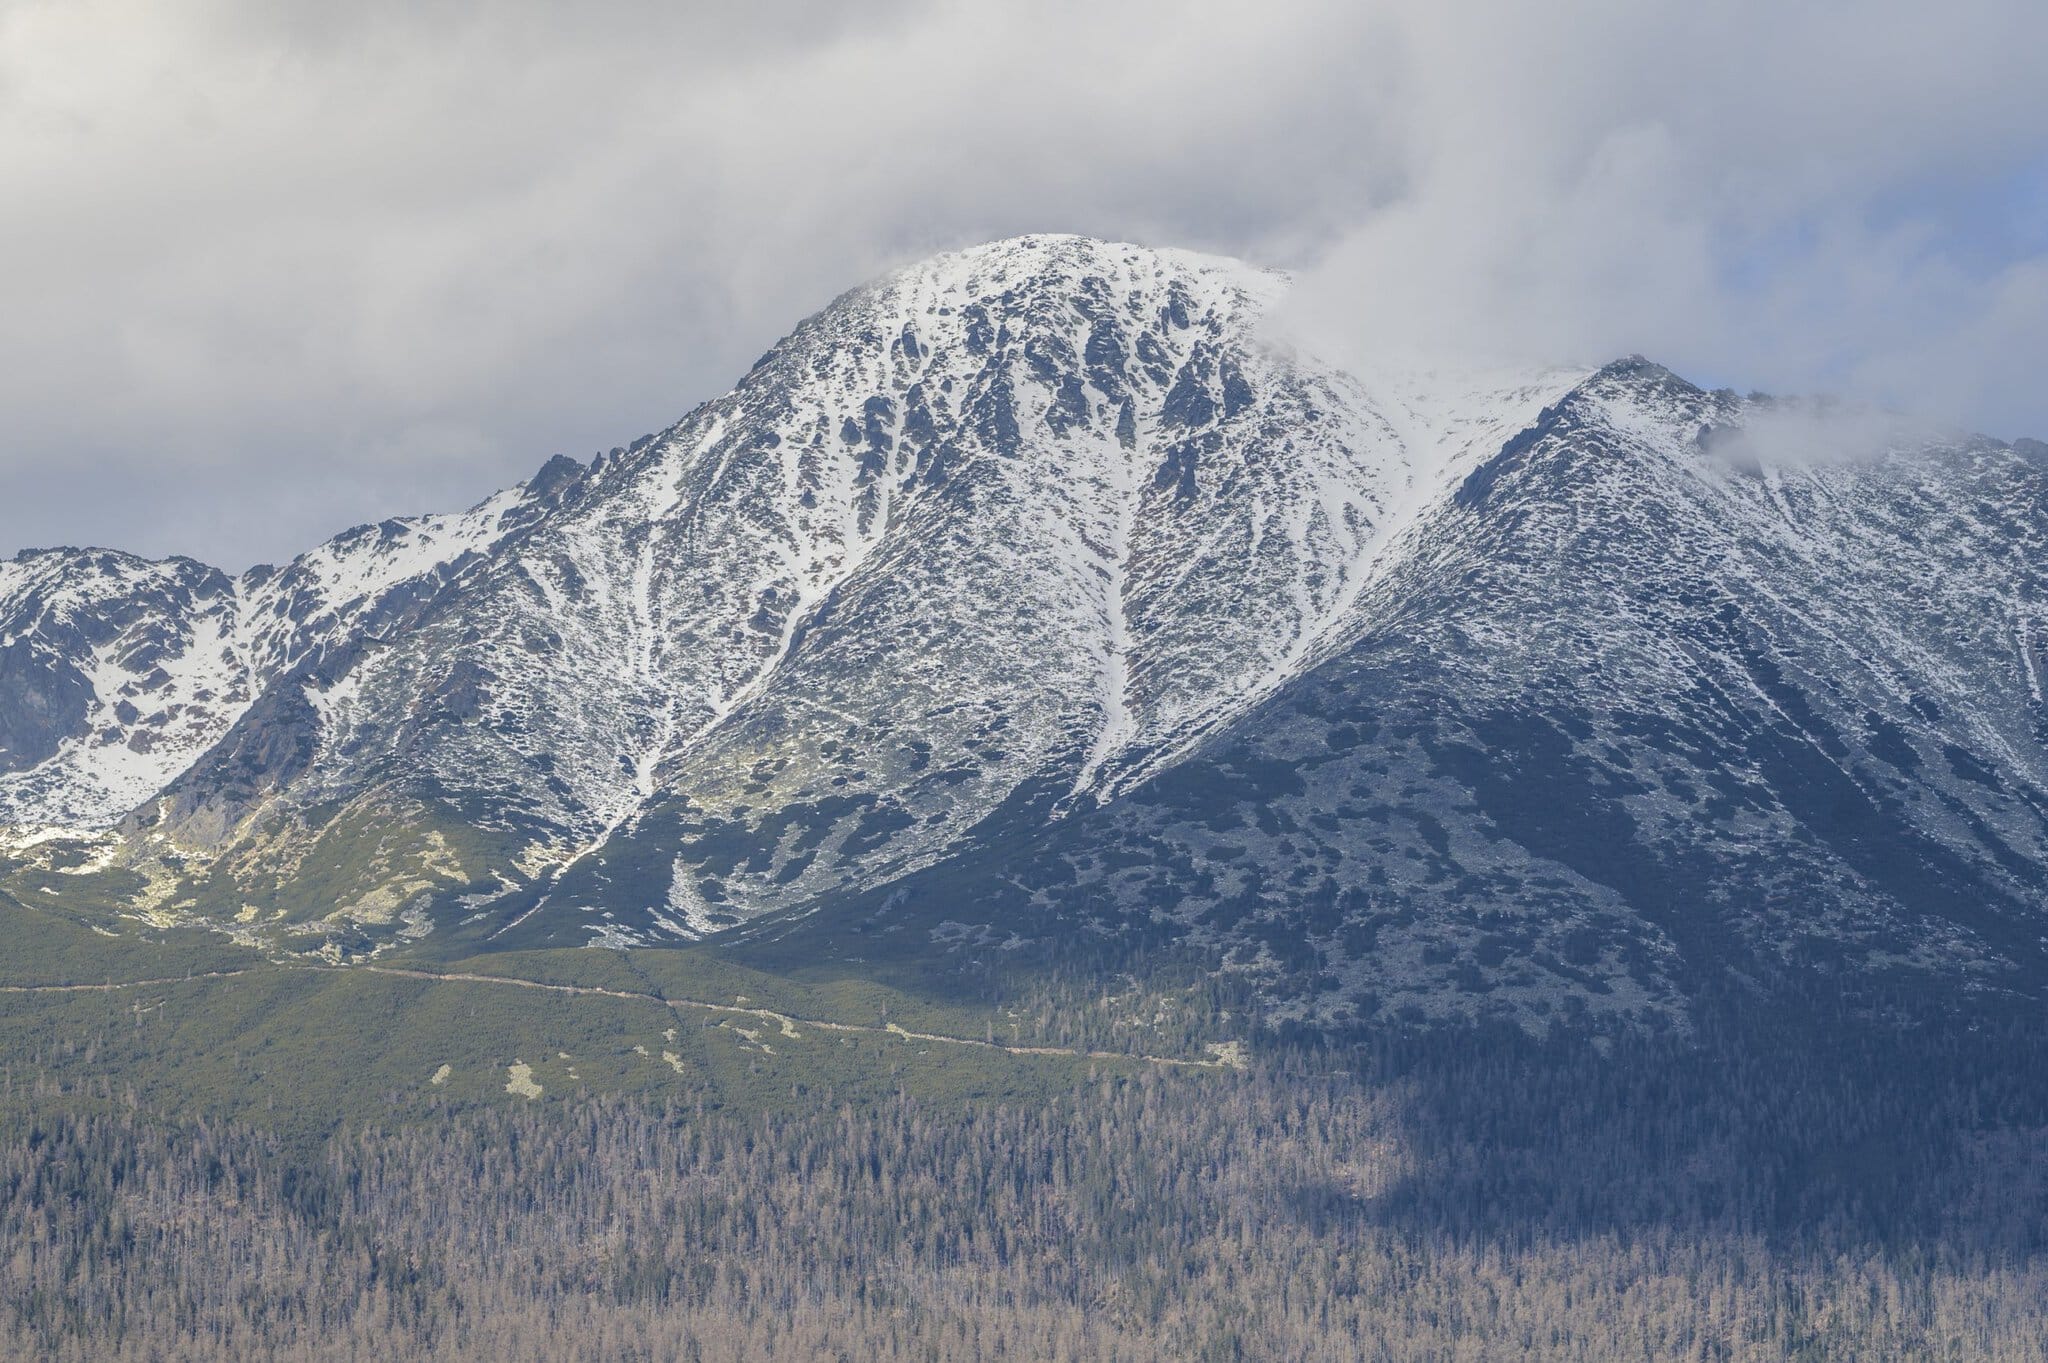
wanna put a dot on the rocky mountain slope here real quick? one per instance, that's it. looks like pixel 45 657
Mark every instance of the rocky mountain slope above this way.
pixel 1644 710
pixel 1034 587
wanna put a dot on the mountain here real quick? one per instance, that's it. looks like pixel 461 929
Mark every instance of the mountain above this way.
pixel 1643 710
pixel 121 672
pixel 1034 594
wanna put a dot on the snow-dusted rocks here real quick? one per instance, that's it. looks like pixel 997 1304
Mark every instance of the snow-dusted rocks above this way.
pixel 1643 713
pixel 1035 579
pixel 119 672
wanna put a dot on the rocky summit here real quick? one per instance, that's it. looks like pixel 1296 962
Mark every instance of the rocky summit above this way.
pixel 1035 594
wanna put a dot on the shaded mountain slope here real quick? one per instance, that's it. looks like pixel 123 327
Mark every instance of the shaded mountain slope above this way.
pixel 1033 590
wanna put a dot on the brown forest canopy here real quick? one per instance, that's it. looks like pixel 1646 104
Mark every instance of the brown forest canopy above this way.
pixel 1505 1198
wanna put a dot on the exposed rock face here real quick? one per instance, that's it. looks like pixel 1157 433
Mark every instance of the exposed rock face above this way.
pixel 114 680
pixel 1032 578
pixel 1639 705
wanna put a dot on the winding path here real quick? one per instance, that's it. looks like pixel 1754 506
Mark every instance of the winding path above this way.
pixel 787 1023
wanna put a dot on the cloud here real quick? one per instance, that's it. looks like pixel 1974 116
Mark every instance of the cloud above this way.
pixel 1794 197
pixel 275 268
pixel 1818 433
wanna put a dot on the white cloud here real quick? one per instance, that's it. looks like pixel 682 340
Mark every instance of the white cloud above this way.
pixel 1765 193
pixel 272 268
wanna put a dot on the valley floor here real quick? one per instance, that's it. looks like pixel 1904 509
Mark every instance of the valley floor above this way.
pixel 661 1155
pixel 1448 1205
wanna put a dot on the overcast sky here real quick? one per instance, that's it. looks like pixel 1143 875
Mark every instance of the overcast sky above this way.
pixel 269 268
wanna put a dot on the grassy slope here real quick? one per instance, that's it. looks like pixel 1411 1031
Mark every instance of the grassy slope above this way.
pixel 300 1049
pixel 56 943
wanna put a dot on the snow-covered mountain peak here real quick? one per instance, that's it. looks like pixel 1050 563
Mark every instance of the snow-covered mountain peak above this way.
pixel 1420 679
pixel 1057 266
pixel 122 670
pixel 116 667
pixel 1072 495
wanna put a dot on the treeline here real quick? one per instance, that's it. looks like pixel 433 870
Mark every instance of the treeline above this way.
pixel 1460 1198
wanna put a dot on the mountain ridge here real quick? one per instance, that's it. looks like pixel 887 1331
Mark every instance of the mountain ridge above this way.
pixel 1043 546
